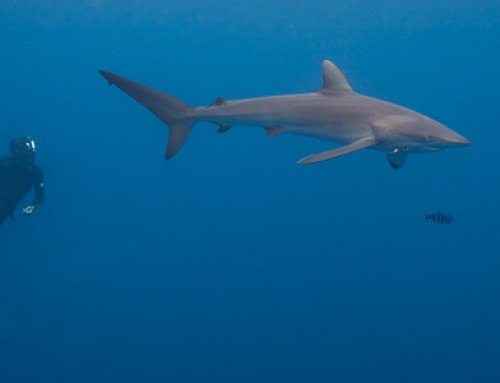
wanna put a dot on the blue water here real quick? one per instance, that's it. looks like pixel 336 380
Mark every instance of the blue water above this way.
pixel 230 263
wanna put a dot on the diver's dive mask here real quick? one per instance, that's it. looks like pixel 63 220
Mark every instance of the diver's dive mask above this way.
pixel 23 149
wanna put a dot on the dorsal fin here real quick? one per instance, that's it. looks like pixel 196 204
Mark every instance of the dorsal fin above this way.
pixel 218 102
pixel 333 78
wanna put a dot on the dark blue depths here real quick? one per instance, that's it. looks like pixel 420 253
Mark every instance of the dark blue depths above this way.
pixel 230 263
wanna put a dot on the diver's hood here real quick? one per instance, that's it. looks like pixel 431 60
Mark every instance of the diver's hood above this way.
pixel 23 149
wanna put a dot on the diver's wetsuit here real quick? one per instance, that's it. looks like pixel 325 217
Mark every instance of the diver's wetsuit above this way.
pixel 16 180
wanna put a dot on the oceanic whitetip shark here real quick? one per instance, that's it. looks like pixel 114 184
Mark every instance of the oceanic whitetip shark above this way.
pixel 334 113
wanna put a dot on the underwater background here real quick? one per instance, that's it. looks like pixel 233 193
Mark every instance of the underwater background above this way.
pixel 230 263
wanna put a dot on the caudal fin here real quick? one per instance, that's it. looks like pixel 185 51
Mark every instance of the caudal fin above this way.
pixel 170 110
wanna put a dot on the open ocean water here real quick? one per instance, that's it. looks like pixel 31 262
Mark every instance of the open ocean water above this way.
pixel 230 263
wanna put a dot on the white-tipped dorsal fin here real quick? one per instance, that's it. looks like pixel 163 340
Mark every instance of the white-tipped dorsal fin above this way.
pixel 333 78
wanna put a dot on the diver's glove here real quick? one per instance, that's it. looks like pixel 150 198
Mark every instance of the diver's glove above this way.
pixel 28 210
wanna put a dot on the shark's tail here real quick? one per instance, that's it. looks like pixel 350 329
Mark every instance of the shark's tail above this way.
pixel 170 110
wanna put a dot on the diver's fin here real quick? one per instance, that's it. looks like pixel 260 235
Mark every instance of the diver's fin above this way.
pixel 397 158
pixel 168 109
pixel 337 152
pixel 333 78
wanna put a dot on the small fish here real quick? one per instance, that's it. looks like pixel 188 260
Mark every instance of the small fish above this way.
pixel 439 217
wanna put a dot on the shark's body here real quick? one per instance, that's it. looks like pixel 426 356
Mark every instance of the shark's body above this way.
pixel 334 113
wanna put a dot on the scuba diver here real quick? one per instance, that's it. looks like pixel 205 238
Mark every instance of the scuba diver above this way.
pixel 18 174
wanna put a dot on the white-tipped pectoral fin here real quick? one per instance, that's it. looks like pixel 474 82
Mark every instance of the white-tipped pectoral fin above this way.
pixel 362 143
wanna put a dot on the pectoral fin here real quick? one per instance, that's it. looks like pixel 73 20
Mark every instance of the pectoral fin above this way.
pixel 329 154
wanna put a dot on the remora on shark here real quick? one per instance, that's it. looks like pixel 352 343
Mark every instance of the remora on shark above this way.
pixel 334 113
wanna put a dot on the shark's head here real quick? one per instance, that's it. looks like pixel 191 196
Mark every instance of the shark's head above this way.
pixel 418 133
pixel 438 136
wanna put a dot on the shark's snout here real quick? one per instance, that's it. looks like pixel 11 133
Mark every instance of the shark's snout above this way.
pixel 445 137
pixel 458 140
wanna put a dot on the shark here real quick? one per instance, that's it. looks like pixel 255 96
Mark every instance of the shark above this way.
pixel 334 113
